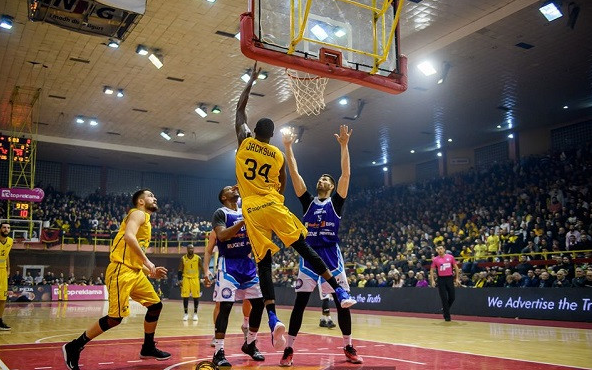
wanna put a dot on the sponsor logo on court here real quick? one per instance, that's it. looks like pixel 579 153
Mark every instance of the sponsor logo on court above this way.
pixel 205 365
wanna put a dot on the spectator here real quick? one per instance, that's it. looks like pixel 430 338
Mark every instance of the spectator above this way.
pixel 411 281
pixel 421 280
pixel 531 281
pixel 545 281
pixel 523 267
pixel 561 281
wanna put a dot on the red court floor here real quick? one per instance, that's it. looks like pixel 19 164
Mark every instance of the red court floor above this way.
pixel 312 351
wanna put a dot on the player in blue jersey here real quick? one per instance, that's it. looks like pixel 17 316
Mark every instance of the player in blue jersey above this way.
pixel 322 215
pixel 236 277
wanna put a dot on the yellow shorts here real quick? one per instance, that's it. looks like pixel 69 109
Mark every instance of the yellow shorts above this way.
pixel 3 284
pixel 190 286
pixel 264 214
pixel 123 283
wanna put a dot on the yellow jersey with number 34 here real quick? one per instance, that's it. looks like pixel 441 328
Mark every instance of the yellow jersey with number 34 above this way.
pixel 258 167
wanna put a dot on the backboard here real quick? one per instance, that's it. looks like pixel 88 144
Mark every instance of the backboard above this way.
pixel 354 41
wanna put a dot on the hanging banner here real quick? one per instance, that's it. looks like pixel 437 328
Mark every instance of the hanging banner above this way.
pixel 21 194
pixel 89 16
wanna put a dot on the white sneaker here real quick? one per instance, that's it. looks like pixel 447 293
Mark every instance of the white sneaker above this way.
pixel 194 317
pixel 185 317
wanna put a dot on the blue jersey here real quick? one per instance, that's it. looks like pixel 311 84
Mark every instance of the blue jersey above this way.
pixel 322 222
pixel 238 246
pixel 234 253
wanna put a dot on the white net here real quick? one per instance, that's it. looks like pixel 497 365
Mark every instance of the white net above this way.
pixel 309 91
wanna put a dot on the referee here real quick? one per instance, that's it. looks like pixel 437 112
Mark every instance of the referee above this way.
pixel 442 265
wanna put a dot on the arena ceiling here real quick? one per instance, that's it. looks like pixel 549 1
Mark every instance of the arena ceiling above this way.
pixel 490 81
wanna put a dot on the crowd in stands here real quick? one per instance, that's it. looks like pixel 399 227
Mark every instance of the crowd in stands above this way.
pixel 101 214
pixel 52 279
pixel 536 210
pixel 538 207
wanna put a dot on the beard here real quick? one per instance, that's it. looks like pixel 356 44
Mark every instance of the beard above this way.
pixel 5 233
pixel 152 207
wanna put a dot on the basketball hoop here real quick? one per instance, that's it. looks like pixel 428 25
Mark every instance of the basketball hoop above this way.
pixel 309 91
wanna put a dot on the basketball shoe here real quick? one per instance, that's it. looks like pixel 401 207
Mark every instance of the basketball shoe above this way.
pixel 220 360
pixel 253 351
pixel 352 355
pixel 286 360
pixel 71 355
pixel 150 351
pixel 345 300
pixel 278 340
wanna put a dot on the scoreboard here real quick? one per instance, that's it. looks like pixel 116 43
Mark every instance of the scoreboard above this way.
pixel 20 147
pixel 20 209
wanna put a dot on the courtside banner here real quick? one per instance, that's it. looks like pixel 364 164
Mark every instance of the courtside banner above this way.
pixel 79 293
pixel 28 293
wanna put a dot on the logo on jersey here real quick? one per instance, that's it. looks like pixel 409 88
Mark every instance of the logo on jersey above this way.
pixel 215 293
pixel 226 293
pixel 299 283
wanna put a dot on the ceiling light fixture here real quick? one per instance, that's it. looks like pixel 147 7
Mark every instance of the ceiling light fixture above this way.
pixel 6 22
pixel 120 93
pixel 211 1
pixel 511 136
pixel 237 36
pixel 286 130
pixel 412 151
pixel 343 101
pixel 93 122
pixel 426 68
pixel 262 76
pixel 107 90
pixel 142 50
pixel 373 162
pixel 445 69
pixel 113 43
pixel 384 169
pixel 156 59
pixel 180 133
pixel 339 32
pixel 216 109
pixel 79 119
pixel 499 126
pixel 201 110
pixel 551 10
pixel 439 154
pixel 319 32
pixel 165 134
pixel 450 140
pixel 565 107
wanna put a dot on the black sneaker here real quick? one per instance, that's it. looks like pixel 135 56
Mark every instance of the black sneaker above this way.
pixel 253 351
pixel 71 355
pixel 153 352
pixel 323 324
pixel 220 360
pixel 3 326
pixel 331 324
pixel 286 360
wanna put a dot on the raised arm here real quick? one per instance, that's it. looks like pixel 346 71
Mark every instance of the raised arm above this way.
pixel 288 139
pixel 240 125
pixel 343 140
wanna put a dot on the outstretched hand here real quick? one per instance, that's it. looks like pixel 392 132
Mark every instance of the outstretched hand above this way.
pixel 344 134
pixel 254 73
pixel 288 136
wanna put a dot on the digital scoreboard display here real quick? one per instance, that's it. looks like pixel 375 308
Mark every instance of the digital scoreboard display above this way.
pixel 21 209
pixel 20 147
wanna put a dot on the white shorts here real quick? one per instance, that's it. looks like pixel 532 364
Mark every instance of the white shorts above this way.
pixel 229 289
pixel 308 279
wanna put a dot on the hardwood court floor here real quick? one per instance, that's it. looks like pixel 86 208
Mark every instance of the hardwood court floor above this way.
pixel 385 341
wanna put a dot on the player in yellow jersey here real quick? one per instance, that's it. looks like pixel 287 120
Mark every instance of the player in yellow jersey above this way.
pixel 5 247
pixel 189 280
pixel 126 278
pixel 261 177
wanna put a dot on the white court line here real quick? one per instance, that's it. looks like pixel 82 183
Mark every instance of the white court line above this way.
pixel 53 336
pixel 3 366
pixel 133 361
pixel 309 353
pixel 43 367
pixel 106 363
pixel 321 349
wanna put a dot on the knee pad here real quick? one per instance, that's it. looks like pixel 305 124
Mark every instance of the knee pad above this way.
pixel 153 312
pixel 106 322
